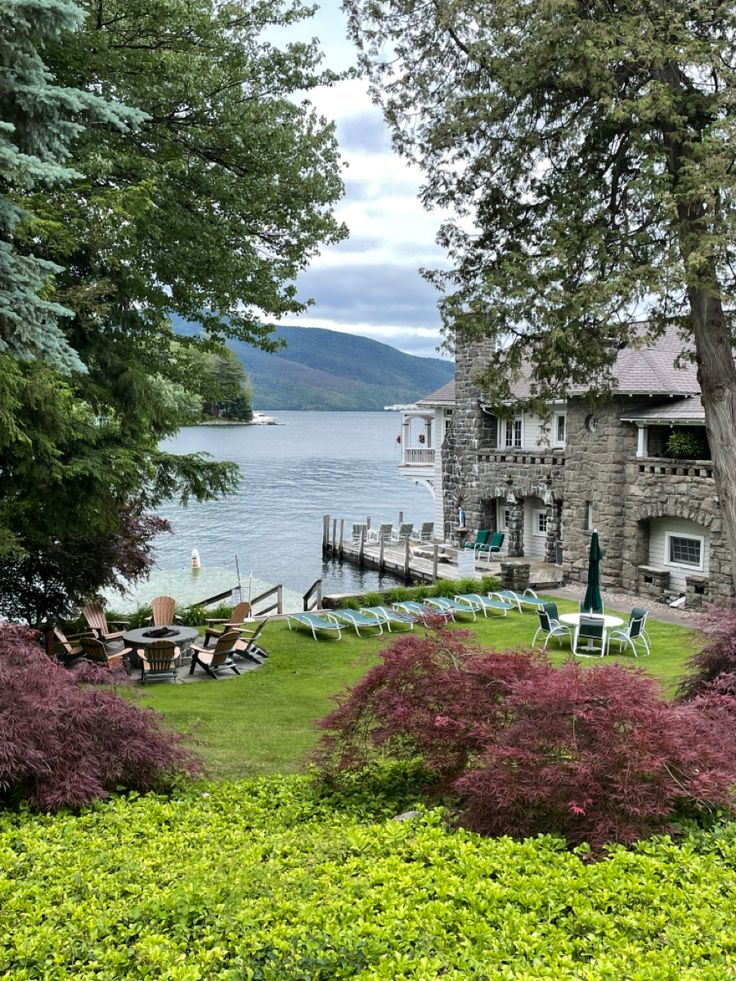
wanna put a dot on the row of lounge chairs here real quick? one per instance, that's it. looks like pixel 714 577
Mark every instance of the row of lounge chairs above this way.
pixel 405 614
pixel 389 535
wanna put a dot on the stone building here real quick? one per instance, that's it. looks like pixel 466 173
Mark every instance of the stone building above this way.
pixel 612 466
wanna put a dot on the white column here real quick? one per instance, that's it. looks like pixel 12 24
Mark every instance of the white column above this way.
pixel 641 445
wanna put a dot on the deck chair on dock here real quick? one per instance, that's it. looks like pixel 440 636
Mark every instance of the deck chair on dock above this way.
pixel 493 546
pixel 382 534
pixel 324 622
pixel 404 532
pixel 481 537
pixel 425 532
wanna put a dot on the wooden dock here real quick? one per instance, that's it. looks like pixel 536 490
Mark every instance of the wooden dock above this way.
pixel 425 561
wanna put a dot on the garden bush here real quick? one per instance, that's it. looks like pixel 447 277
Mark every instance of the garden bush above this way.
pixel 264 880
pixel 63 743
pixel 592 754
pixel 717 658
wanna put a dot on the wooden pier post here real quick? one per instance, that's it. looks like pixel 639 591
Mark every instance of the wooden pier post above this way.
pixel 435 555
pixel 368 521
pixel 362 546
pixel 407 558
pixel 401 517
pixel 334 535
pixel 342 536
pixel 280 599
pixel 325 534
pixel 381 546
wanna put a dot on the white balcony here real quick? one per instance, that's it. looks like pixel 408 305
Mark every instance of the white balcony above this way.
pixel 417 457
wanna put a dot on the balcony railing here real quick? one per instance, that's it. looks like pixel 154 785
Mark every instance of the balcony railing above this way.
pixel 516 455
pixel 668 467
pixel 412 457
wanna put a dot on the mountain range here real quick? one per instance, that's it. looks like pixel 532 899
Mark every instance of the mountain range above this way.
pixel 326 369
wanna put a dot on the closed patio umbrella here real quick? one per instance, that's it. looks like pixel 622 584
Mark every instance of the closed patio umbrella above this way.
pixel 593 602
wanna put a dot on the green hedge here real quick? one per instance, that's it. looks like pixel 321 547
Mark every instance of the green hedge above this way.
pixel 263 880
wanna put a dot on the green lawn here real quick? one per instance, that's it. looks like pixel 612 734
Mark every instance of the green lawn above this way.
pixel 264 721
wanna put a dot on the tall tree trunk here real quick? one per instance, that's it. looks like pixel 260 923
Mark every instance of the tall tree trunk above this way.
pixel 717 379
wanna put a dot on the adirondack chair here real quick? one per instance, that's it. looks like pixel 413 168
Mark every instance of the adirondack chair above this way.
pixel 94 650
pixel 97 623
pixel 217 658
pixel 163 608
pixel 246 646
pixel 159 660
pixel 67 646
pixel 241 612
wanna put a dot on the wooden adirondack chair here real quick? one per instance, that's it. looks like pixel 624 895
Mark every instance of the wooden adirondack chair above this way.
pixel 162 608
pixel 97 623
pixel 218 657
pixel 240 613
pixel 94 650
pixel 159 660
pixel 247 648
pixel 67 645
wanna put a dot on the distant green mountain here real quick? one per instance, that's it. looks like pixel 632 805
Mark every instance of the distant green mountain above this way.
pixel 325 369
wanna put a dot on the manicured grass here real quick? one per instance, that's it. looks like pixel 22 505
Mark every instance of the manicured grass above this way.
pixel 264 721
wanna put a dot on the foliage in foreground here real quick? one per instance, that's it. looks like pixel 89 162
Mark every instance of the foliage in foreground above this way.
pixel 63 744
pixel 265 880
pixel 593 755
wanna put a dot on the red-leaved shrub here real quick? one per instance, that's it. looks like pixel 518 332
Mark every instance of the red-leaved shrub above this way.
pixel 718 657
pixel 597 755
pixel 63 743
pixel 433 698
pixel 590 753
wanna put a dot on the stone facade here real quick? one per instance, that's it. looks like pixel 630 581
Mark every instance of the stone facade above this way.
pixel 597 481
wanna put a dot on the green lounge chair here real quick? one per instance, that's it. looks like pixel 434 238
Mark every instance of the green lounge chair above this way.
pixel 493 547
pixel 390 618
pixel 357 620
pixel 481 538
pixel 324 622
pixel 493 601
pixel 420 611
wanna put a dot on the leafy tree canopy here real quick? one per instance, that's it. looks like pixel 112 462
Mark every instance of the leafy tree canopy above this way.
pixel 208 210
pixel 588 151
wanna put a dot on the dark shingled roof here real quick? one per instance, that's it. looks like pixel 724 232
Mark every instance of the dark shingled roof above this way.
pixel 443 396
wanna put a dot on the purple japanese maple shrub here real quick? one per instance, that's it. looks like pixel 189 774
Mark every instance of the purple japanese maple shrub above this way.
pixel 432 698
pixel 63 743
pixel 717 657
pixel 597 755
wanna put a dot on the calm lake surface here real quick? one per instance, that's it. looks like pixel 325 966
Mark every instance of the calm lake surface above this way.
pixel 344 464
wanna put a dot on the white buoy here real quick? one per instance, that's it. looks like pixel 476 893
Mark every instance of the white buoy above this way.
pixel 196 561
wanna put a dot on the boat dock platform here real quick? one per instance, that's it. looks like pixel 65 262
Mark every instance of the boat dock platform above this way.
pixel 428 561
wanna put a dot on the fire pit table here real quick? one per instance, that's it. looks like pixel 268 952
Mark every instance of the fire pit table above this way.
pixel 181 636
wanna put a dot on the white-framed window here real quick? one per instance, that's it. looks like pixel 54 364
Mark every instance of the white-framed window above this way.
pixel 539 523
pixel 684 551
pixel 504 517
pixel 560 429
pixel 588 515
pixel 512 432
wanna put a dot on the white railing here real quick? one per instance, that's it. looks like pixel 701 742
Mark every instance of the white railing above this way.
pixel 413 457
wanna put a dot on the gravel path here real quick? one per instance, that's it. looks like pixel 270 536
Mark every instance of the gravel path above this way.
pixel 615 600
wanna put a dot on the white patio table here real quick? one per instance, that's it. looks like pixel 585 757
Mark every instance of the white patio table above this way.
pixel 573 620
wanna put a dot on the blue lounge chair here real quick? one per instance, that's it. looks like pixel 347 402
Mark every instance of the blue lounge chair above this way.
pixel 520 600
pixel 390 618
pixel 420 612
pixel 493 601
pixel 357 620
pixel 324 622
pixel 453 607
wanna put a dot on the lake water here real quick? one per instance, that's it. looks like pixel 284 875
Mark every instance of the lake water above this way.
pixel 344 464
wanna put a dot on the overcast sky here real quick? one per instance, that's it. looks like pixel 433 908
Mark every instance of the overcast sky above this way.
pixel 370 283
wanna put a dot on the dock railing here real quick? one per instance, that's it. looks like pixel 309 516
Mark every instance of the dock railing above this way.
pixel 313 596
pixel 278 605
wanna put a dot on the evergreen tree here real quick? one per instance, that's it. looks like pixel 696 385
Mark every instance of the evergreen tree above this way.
pixel 39 121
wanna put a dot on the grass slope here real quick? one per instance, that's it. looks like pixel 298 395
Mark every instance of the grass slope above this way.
pixel 265 721
pixel 324 369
